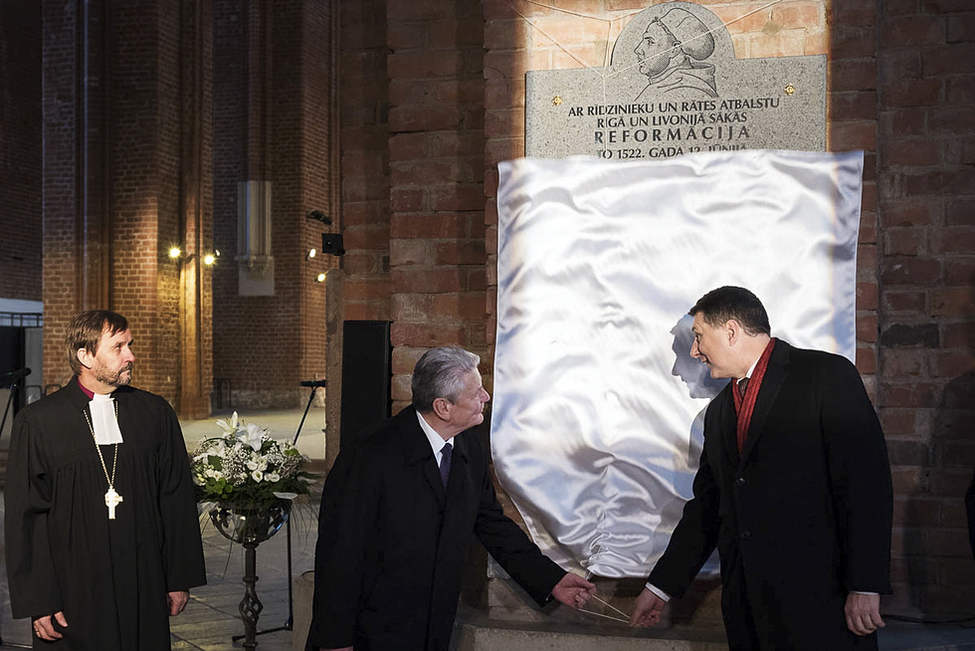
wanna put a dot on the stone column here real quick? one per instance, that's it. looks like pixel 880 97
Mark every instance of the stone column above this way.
pixel 127 176
pixel 77 226
pixel 195 209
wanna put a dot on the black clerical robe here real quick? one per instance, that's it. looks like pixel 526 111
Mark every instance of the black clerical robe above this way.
pixel 109 577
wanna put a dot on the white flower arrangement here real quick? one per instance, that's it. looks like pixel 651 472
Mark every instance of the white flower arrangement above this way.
pixel 246 469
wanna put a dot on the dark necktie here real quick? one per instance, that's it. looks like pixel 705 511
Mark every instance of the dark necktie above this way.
pixel 742 385
pixel 446 453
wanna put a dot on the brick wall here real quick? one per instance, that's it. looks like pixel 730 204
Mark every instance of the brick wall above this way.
pixel 256 124
pixel 116 194
pixel 229 114
pixel 852 118
pixel 61 256
pixel 263 133
pixel 143 117
pixel 272 76
pixel 20 151
pixel 364 107
pixel 436 169
pixel 926 243
pixel 319 179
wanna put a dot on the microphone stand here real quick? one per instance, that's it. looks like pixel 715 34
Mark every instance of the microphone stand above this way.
pixel 14 378
pixel 289 623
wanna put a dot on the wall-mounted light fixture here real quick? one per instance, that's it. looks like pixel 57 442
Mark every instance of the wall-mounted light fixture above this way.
pixel 176 255
pixel 320 278
pixel 320 216
pixel 311 254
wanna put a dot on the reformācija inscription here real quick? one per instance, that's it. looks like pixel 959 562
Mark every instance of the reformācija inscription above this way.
pixel 674 87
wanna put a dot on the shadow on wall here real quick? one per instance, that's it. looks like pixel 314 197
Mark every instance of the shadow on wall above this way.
pixel 941 569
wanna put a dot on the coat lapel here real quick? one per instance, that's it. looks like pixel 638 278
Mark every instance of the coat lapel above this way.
pixel 727 420
pixel 775 374
pixel 418 451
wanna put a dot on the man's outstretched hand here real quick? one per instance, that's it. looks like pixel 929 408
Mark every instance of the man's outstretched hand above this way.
pixel 647 610
pixel 573 590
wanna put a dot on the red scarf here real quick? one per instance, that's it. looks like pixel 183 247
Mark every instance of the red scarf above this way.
pixel 745 405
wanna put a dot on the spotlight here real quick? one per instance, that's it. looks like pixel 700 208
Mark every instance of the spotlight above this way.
pixel 311 254
pixel 209 259
pixel 320 278
pixel 175 252
pixel 320 216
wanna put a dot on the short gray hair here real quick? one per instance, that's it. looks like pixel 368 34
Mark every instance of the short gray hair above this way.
pixel 440 373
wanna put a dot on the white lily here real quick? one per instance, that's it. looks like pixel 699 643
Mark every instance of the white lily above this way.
pixel 251 435
pixel 228 426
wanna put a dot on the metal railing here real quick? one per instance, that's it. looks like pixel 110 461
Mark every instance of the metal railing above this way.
pixel 22 319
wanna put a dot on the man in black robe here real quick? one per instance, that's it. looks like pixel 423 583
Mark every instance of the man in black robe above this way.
pixel 102 536
pixel 397 517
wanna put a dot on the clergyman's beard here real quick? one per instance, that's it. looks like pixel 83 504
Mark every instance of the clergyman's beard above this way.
pixel 115 379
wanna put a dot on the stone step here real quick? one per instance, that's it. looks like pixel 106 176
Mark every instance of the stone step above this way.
pixel 509 620
pixel 487 635
pixel 482 636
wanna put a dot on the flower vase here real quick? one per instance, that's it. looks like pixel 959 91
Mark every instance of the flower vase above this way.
pixel 250 527
pixel 248 524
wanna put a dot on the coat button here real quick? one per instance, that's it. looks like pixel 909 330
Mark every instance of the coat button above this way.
pixel 746 534
pixel 740 481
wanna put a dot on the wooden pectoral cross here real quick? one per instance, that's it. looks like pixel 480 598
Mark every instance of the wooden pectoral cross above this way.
pixel 112 499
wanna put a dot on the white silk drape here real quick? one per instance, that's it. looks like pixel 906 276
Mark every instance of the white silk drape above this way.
pixel 596 425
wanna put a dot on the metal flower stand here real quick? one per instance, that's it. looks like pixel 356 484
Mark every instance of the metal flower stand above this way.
pixel 249 528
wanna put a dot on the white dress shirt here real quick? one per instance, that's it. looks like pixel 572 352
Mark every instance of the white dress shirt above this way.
pixel 437 442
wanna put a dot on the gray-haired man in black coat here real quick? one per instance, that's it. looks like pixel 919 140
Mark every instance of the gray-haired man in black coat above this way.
pixel 398 513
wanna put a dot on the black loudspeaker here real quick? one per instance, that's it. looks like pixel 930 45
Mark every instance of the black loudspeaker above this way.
pixel 332 243
pixel 366 379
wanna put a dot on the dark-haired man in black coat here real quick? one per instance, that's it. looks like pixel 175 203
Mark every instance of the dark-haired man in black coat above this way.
pixel 793 489
pixel 397 517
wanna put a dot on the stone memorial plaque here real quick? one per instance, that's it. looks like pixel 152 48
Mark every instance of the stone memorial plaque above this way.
pixel 675 87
